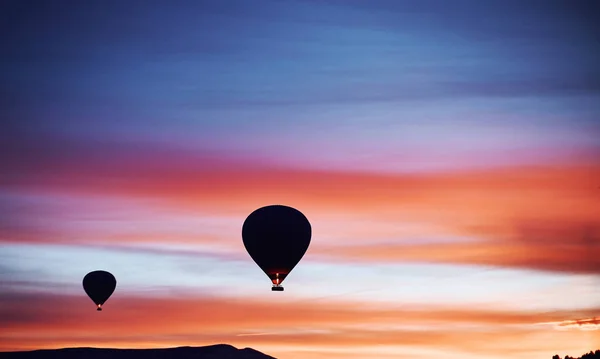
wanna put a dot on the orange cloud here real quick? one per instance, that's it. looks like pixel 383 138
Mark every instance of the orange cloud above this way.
pixel 581 324
pixel 43 321
pixel 523 217
pixel 565 248
pixel 235 186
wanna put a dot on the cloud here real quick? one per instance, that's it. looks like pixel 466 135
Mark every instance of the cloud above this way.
pixel 21 310
pixel 571 248
pixel 524 217
pixel 213 179
pixel 581 324
pixel 31 320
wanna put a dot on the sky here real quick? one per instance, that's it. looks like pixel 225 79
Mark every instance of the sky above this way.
pixel 446 154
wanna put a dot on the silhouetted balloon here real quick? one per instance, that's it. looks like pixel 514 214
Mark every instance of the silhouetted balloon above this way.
pixel 276 237
pixel 99 286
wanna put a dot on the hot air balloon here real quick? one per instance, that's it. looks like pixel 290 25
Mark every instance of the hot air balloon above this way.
pixel 99 286
pixel 276 237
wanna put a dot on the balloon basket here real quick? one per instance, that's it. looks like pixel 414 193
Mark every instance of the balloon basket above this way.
pixel 277 288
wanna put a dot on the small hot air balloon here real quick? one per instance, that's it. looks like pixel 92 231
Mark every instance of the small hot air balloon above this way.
pixel 276 237
pixel 99 286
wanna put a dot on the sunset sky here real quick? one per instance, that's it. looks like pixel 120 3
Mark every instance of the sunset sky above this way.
pixel 446 153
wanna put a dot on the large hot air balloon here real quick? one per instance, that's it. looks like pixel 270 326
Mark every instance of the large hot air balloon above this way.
pixel 276 237
pixel 99 286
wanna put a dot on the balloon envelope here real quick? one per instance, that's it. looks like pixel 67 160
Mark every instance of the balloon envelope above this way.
pixel 276 237
pixel 99 286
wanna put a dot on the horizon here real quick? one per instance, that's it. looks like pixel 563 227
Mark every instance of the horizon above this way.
pixel 446 156
pixel 590 354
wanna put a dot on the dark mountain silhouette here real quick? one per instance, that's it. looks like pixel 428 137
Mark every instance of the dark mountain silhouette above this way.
pixel 590 355
pixel 220 351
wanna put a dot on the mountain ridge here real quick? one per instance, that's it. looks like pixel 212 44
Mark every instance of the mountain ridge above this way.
pixel 216 351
